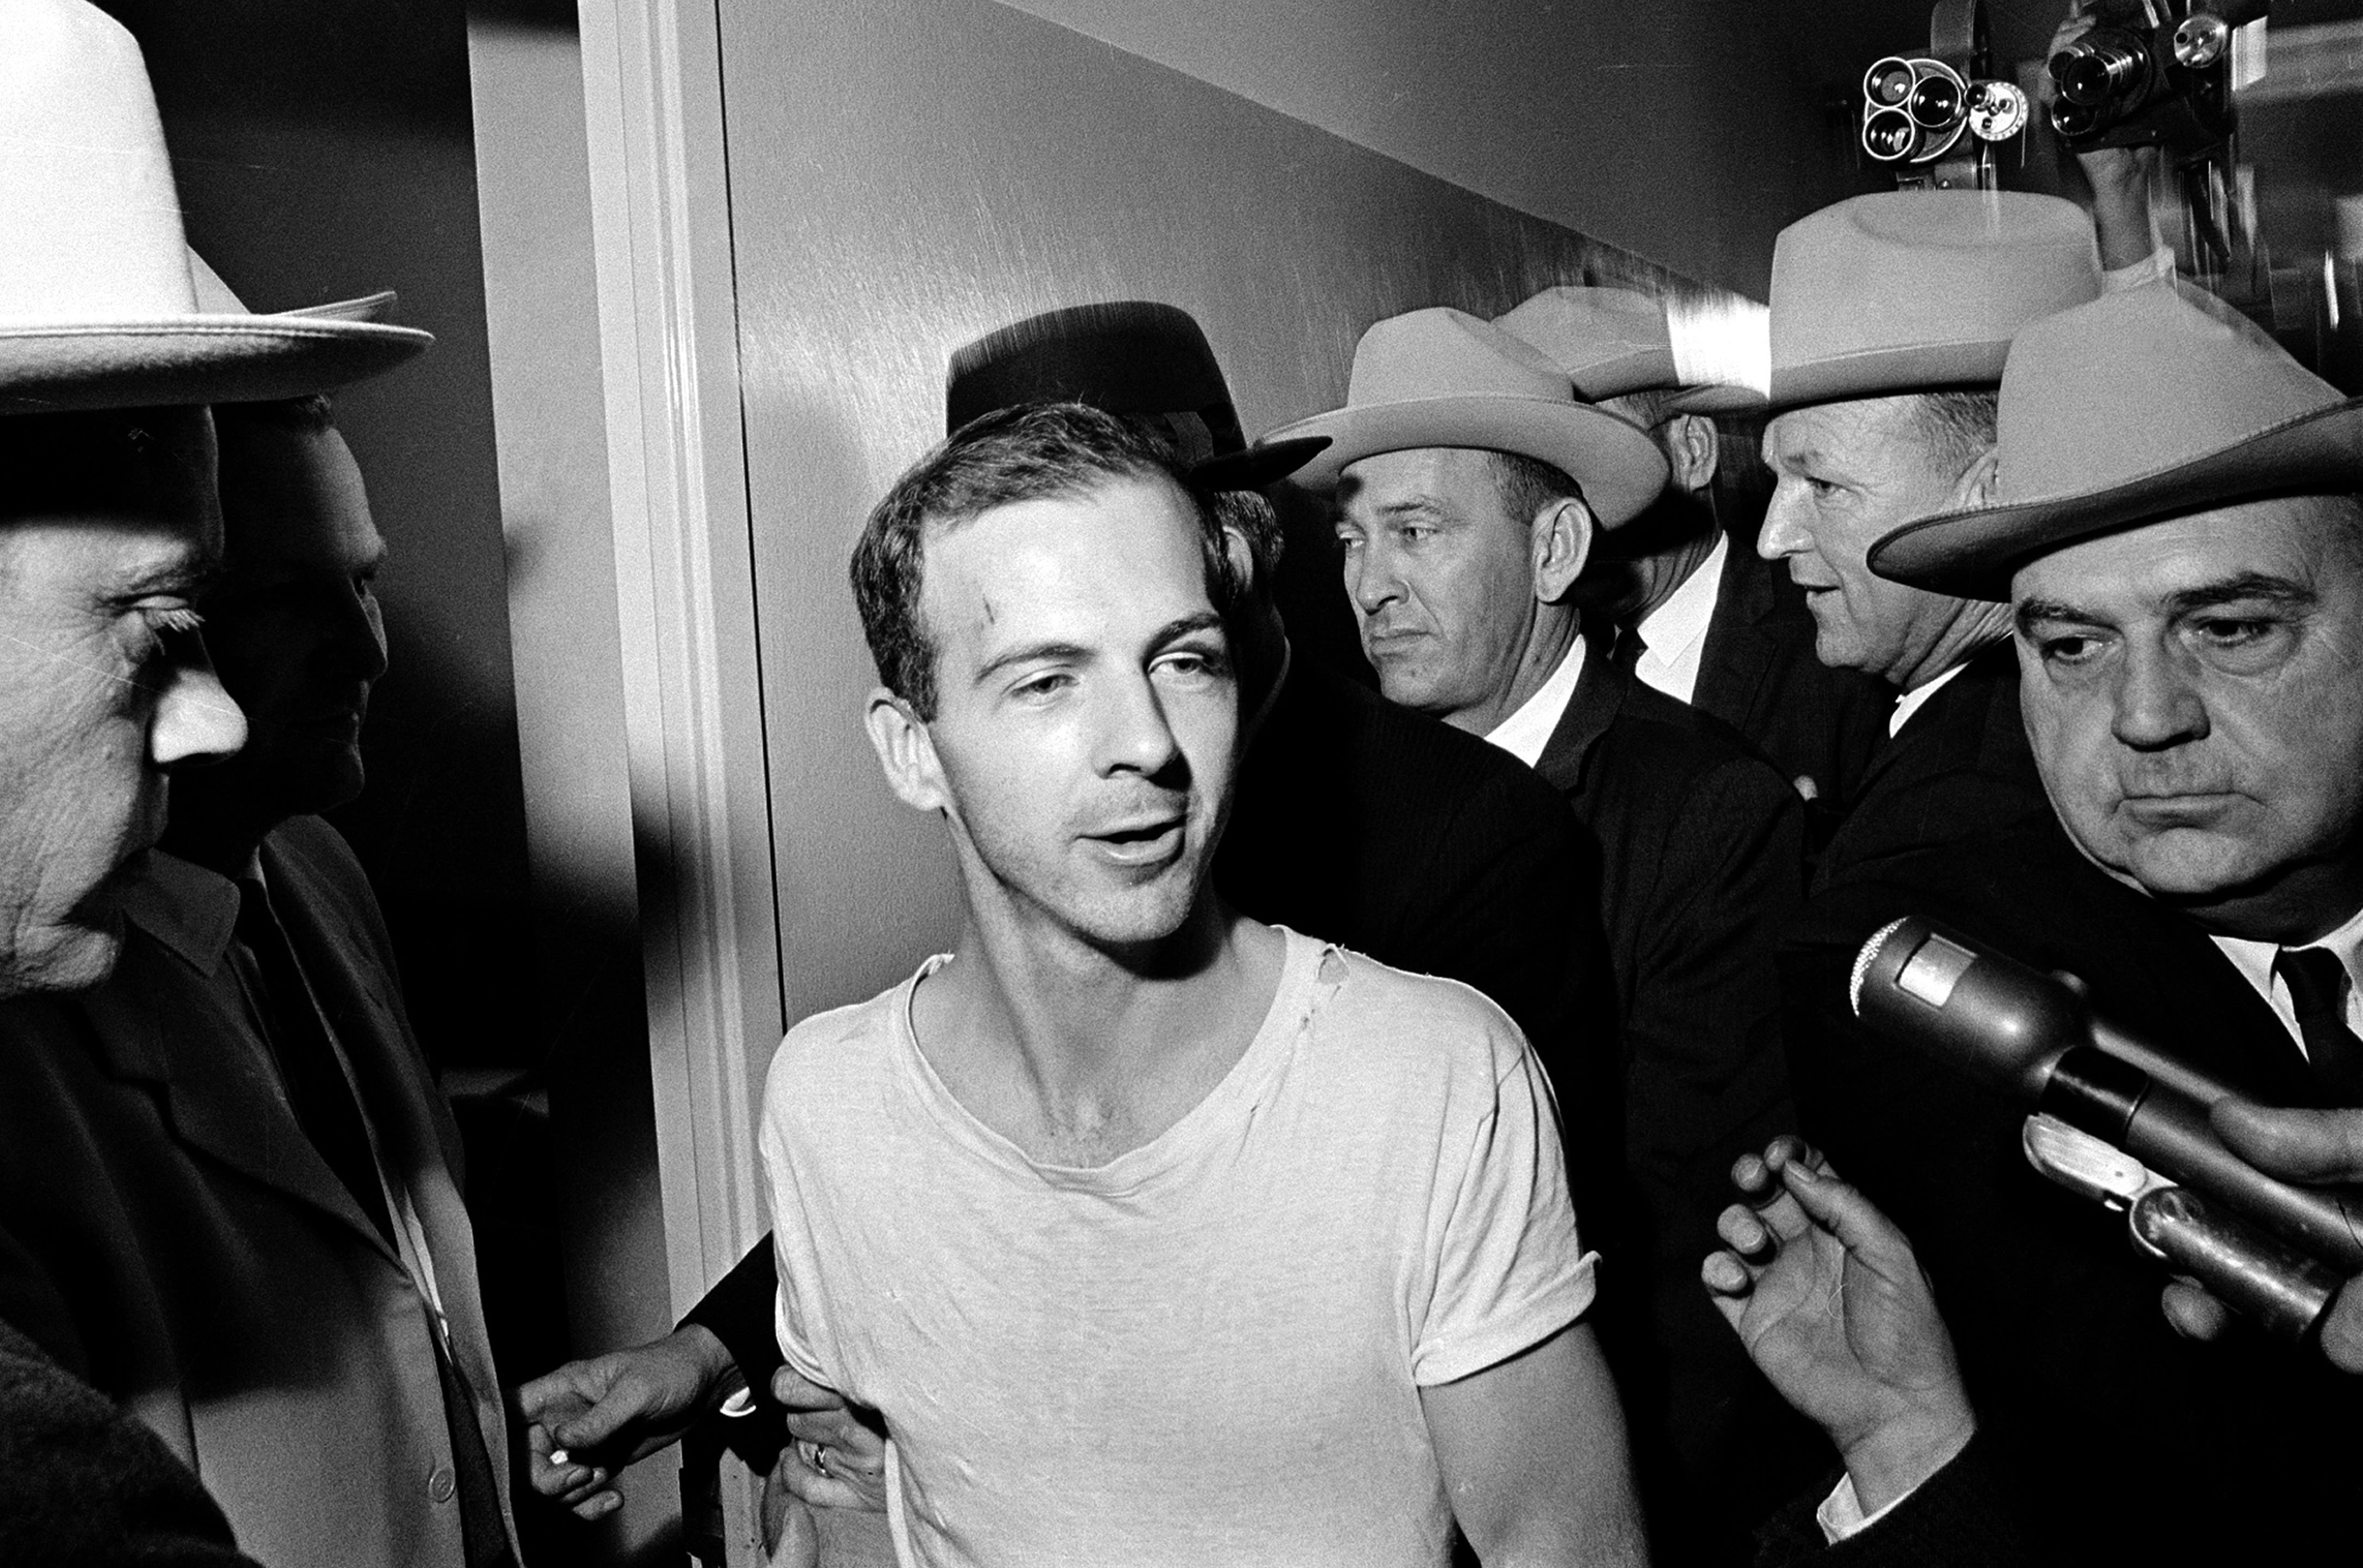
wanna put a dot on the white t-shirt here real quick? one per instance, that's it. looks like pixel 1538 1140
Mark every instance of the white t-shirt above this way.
pixel 1210 1349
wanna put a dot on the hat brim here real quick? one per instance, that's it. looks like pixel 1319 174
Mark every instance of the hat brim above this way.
pixel 1973 554
pixel 1253 468
pixel 1895 370
pixel 195 359
pixel 1615 461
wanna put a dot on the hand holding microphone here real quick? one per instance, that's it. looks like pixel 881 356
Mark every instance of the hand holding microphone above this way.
pixel 2123 1122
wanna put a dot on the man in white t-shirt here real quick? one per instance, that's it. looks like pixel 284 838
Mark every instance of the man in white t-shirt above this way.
pixel 1154 1234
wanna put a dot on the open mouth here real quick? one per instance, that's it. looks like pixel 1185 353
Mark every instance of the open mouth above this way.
pixel 1145 843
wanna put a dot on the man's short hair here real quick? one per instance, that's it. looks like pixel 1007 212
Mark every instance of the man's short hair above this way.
pixel 1526 485
pixel 1036 452
pixel 71 465
pixel 1957 428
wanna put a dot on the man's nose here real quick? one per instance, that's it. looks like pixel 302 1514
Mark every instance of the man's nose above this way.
pixel 359 638
pixel 1783 533
pixel 195 719
pixel 1371 580
pixel 1134 734
pixel 2157 702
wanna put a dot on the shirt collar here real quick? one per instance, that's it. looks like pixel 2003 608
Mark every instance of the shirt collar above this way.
pixel 190 909
pixel 1912 701
pixel 1675 627
pixel 1525 733
pixel 2255 959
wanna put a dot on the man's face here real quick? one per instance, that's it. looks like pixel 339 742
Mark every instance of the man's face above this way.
pixel 2193 690
pixel 293 623
pixel 1442 575
pixel 1087 718
pixel 104 686
pixel 1844 473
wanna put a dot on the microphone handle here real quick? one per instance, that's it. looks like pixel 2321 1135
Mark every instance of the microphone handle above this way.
pixel 2275 1284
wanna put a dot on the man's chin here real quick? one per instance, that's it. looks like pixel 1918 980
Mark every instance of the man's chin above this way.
pixel 68 957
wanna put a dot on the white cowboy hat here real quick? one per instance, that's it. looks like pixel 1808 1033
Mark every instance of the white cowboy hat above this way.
pixel 100 306
pixel 1444 378
pixel 1920 291
pixel 2143 406
pixel 1616 341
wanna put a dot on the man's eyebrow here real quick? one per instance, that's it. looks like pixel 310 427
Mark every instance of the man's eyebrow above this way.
pixel 2247 586
pixel 2032 610
pixel 1173 631
pixel 1031 653
pixel 1418 503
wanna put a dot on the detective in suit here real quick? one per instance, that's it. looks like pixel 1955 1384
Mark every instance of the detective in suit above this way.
pixel 108 357
pixel 231 1198
pixel 1890 318
pixel 1353 819
pixel 1469 482
pixel 1701 616
pixel 2176 528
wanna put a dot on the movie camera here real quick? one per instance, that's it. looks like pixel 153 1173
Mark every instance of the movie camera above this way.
pixel 2152 73
pixel 1937 117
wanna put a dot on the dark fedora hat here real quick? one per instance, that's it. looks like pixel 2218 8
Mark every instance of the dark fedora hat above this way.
pixel 1127 357
pixel 2143 406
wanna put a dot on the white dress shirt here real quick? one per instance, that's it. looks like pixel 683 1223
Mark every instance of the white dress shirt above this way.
pixel 1525 733
pixel 2254 962
pixel 1673 636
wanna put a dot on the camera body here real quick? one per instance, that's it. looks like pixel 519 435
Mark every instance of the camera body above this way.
pixel 1936 118
pixel 2150 73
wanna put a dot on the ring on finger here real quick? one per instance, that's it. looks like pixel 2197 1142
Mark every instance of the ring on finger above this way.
pixel 820 1459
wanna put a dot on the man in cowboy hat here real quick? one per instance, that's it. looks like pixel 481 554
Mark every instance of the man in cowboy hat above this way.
pixel 1705 619
pixel 1471 484
pixel 1354 819
pixel 2176 536
pixel 1891 315
pixel 227 1200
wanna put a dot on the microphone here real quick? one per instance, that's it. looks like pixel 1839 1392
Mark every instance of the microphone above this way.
pixel 2035 1037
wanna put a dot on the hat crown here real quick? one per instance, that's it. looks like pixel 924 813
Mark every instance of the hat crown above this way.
pixel 1609 341
pixel 93 222
pixel 1908 290
pixel 1127 357
pixel 2135 382
pixel 1440 352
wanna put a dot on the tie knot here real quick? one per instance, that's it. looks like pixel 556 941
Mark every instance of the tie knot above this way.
pixel 2315 978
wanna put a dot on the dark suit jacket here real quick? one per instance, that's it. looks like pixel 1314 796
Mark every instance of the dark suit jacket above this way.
pixel 1960 1517
pixel 2125 1442
pixel 1959 765
pixel 1398 836
pixel 82 1484
pixel 1697 844
pixel 1757 673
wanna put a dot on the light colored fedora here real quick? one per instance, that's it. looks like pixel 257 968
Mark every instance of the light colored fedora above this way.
pixel 2143 406
pixel 1615 341
pixel 1444 378
pixel 99 305
pixel 1920 291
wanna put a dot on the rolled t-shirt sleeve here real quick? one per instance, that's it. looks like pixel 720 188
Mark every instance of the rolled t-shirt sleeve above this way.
pixel 796 1317
pixel 1509 1271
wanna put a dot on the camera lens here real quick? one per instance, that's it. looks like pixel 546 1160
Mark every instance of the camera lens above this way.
pixel 2072 120
pixel 1889 135
pixel 1936 102
pixel 1888 82
pixel 2088 71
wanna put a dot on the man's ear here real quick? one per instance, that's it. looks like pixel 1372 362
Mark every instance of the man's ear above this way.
pixel 1561 537
pixel 1976 485
pixel 1694 449
pixel 907 753
pixel 1240 557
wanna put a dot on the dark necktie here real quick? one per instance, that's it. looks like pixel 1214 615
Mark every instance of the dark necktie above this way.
pixel 1626 657
pixel 2317 989
pixel 308 1065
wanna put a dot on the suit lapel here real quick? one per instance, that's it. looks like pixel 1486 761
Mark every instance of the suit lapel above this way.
pixel 1738 657
pixel 159 1020
pixel 1599 693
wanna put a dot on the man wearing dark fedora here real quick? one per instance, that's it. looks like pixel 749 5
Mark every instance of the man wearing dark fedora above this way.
pixel 1703 618
pixel 2175 533
pixel 1354 819
pixel 1891 315
pixel 1470 486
